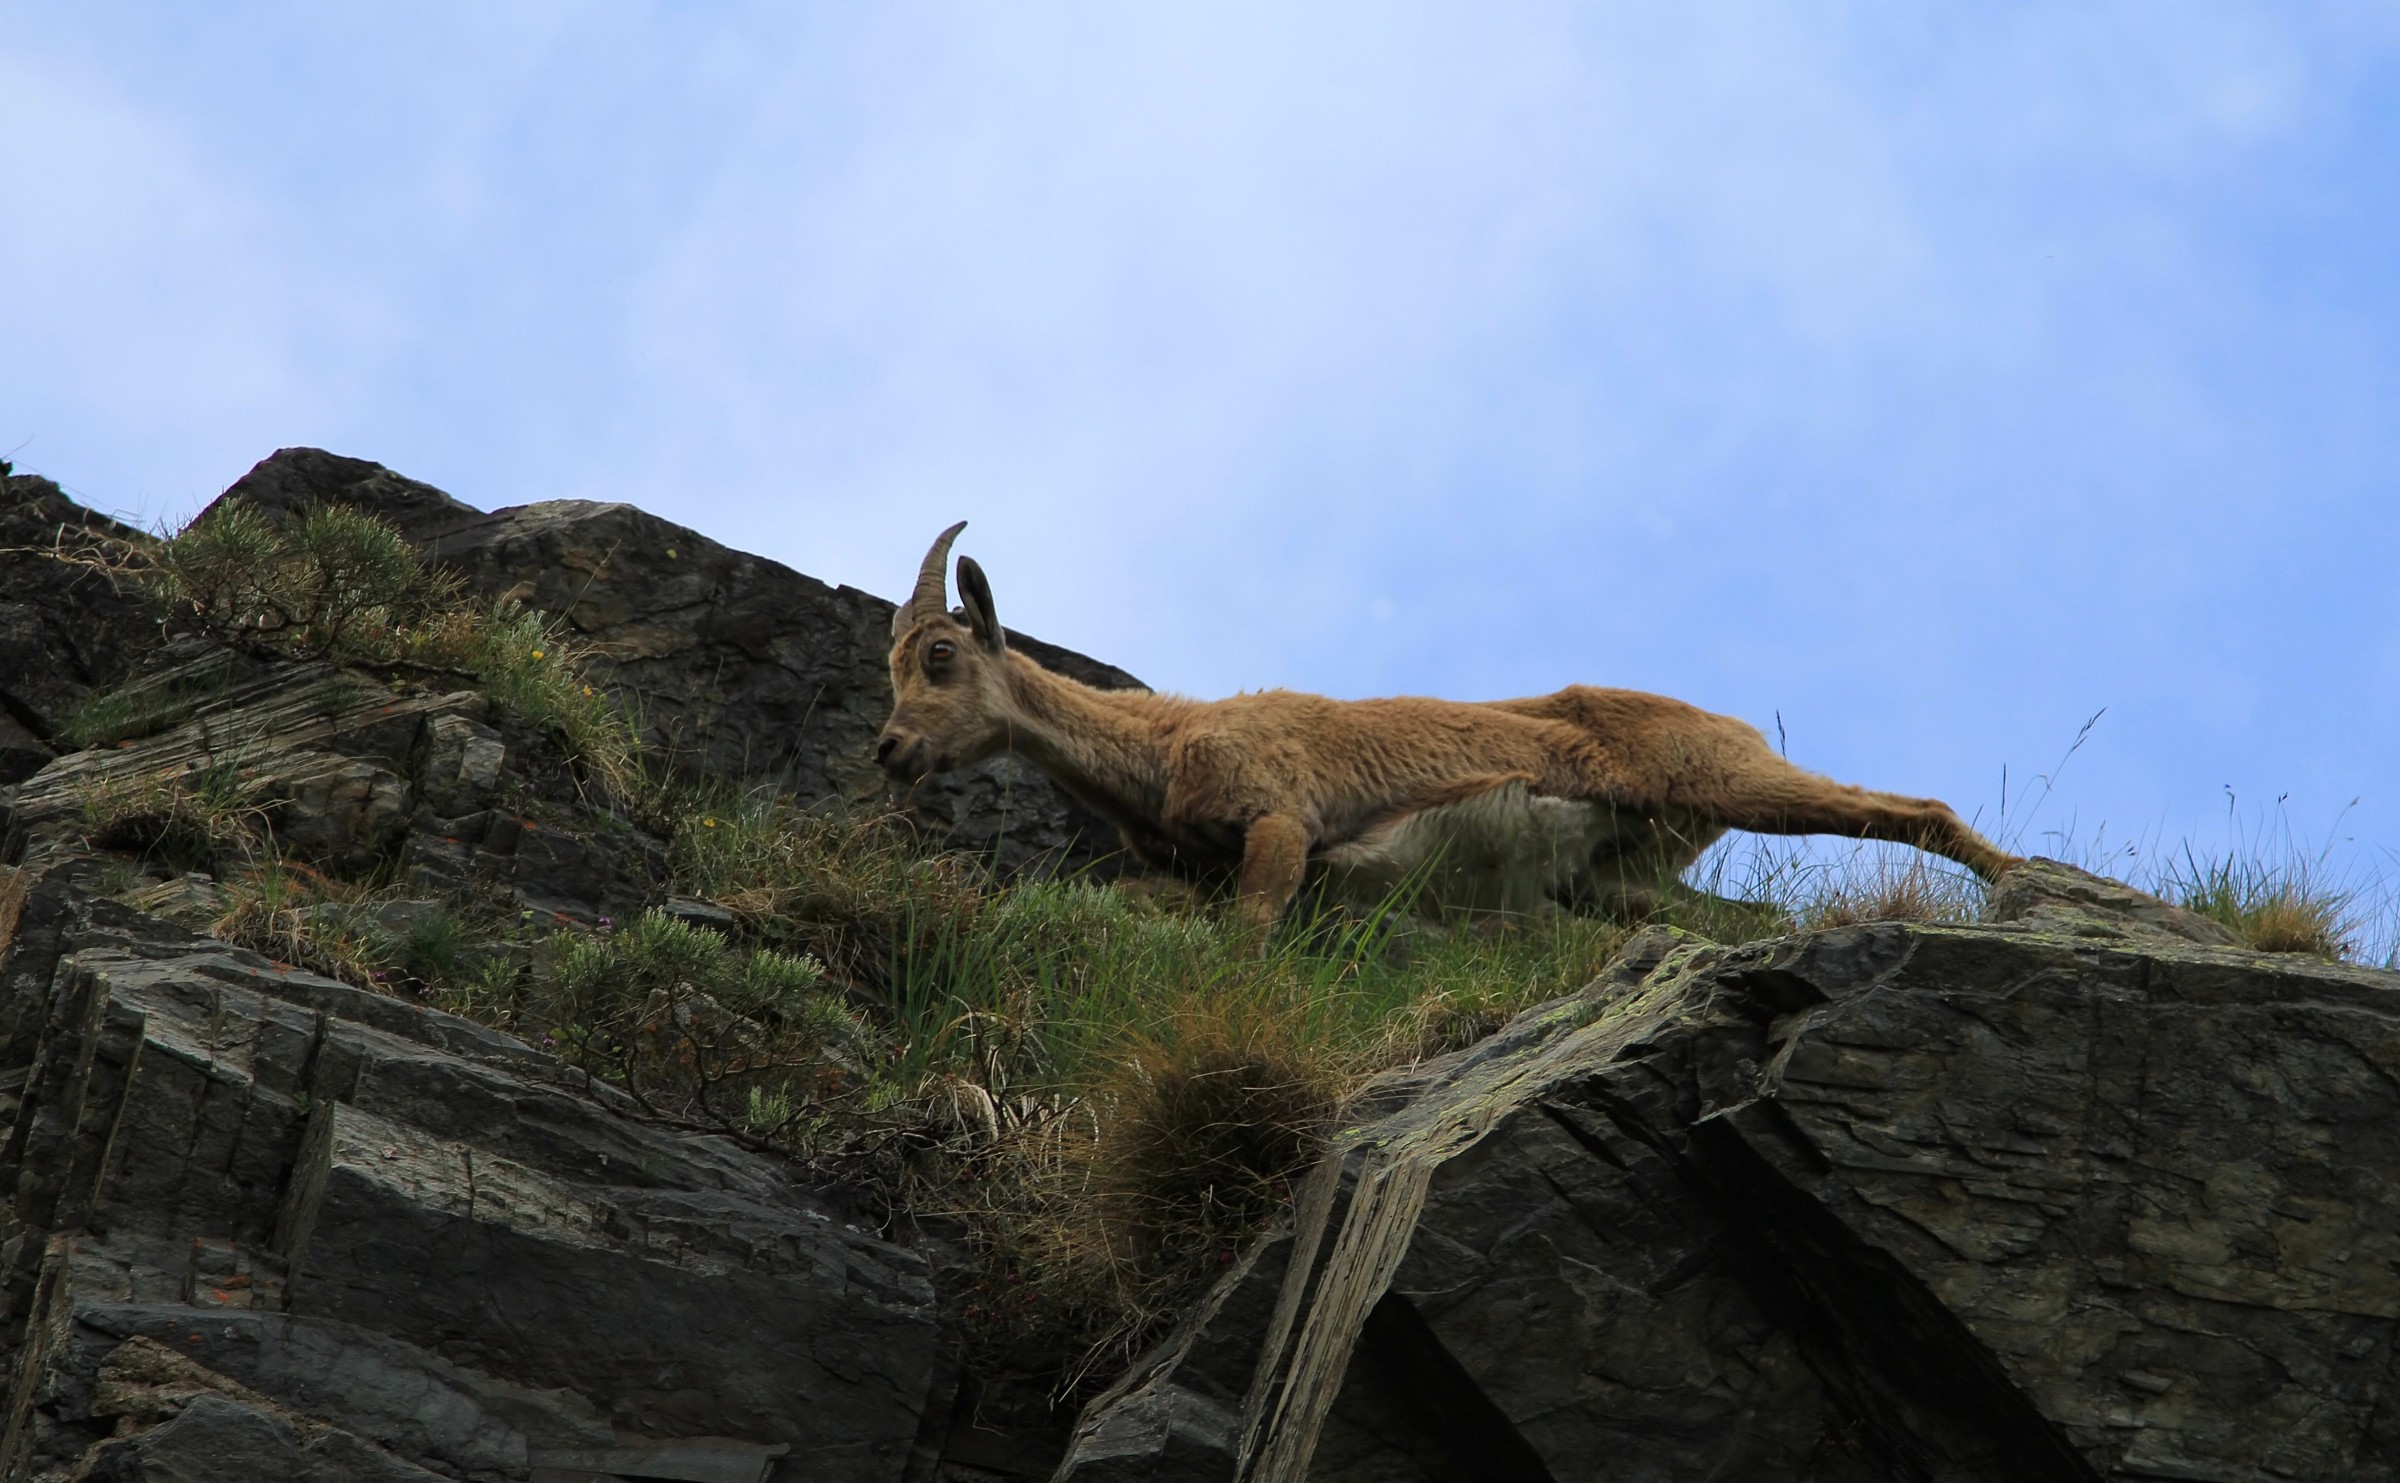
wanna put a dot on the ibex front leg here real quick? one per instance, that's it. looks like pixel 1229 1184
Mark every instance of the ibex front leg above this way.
pixel 1274 859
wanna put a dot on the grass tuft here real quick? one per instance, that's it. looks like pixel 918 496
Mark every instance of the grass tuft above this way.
pixel 2282 906
pixel 296 915
pixel 531 664
pixel 1889 888
pixel 855 891
pixel 195 820
pixel 1203 1122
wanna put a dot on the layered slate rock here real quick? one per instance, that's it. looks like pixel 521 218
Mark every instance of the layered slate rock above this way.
pixel 65 631
pixel 2066 1196
pixel 439 788
pixel 738 666
pixel 267 1225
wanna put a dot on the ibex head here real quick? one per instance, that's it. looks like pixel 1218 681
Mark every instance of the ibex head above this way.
pixel 949 678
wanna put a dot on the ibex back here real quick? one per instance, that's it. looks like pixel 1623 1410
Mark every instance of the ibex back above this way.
pixel 1586 797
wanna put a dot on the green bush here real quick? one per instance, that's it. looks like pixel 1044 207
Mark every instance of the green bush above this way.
pixel 693 1026
pixel 334 581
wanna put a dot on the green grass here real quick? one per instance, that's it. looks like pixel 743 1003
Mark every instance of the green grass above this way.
pixel 1110 1084
pixel 198 820
pixel 2286 906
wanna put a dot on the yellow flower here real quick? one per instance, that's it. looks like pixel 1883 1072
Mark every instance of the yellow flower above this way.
pixel 537 653
pixel 587 689
pixel 711 823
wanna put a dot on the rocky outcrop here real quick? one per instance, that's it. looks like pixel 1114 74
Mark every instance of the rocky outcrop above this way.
pixel 65 631
pixel 2083 1191
pixel 267 1225
pixel 2068 1195
pixel 738 666
pixel 442 789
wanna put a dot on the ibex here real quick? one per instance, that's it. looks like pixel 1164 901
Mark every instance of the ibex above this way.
pixel 1587 796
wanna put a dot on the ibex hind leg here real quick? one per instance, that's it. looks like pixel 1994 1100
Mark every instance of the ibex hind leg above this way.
pixel 1637 873
pixel 1773 797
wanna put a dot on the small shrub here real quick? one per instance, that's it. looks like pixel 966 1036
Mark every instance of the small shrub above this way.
pixel 692 1025
pixel 334 581
pixel 435 949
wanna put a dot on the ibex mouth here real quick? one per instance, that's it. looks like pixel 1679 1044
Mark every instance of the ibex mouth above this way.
pixel 899 757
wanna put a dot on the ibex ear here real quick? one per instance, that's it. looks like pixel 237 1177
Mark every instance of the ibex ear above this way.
pixel 981 617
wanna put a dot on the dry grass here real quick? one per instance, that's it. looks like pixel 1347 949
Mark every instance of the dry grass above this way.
pixel 2277 906
pixel 1103 1216
pixel 269 908
pixel 1890 889
pixel 196 820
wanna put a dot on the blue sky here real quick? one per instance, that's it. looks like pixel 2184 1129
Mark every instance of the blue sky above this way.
pixel 1931 376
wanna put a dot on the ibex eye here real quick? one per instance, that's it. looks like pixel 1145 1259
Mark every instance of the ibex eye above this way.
pixel 942 649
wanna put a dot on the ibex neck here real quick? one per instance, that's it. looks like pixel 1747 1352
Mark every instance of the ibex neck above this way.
pixel 1104 746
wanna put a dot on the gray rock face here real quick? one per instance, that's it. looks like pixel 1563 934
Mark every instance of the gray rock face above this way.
pixel 65 632
pixel 2083 1192
pixel 739 666
pixel 2066 1197
pixel 267 1225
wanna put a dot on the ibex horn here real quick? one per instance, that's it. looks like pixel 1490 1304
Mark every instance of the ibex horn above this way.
pixel 932 596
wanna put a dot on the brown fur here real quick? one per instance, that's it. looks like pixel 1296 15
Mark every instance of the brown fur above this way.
pixel 1255 786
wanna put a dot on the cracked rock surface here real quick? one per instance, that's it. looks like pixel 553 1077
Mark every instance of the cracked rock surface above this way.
pixel 65 632
pixel 2064 1196
pixel 266 1225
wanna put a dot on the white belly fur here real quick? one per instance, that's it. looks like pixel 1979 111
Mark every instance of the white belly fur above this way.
pixel 1508 850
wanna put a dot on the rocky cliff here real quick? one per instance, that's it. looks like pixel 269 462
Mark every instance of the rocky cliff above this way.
pixel 267 1225
pixel 2081 1191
